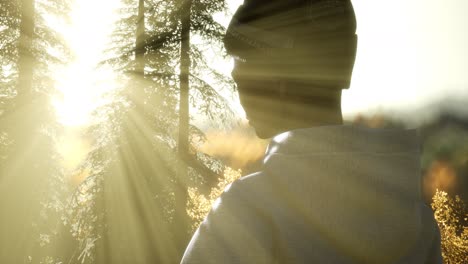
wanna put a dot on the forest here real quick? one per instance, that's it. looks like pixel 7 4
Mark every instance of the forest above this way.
pixel 133 183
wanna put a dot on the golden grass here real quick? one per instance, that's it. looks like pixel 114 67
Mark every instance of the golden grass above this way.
pixel 452 217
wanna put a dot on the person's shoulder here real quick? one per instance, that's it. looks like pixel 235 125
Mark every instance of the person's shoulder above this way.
pixel 251 192
pixel 246 185
pixel 255 178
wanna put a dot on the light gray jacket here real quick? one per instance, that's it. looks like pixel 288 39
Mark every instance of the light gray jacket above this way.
pixel 330 194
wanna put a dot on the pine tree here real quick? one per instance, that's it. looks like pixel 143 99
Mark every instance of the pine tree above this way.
pixel 28 163
pixel 139 149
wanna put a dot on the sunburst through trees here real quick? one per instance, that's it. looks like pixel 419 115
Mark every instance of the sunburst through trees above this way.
pixel 113 147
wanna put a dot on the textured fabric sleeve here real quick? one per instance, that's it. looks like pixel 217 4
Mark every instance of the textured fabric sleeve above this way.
pixel 233 232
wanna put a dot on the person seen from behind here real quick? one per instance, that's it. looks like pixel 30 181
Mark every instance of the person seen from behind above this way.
pixel 327 192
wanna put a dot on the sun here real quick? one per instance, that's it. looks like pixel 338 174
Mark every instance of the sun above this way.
pixel 73 105
pixel 81 84
pixel 81 91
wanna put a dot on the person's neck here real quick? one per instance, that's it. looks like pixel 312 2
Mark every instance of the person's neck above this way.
pixel 298 112
pixel 309 119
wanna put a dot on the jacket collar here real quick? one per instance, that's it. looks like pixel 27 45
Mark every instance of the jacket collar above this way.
pixel 344 138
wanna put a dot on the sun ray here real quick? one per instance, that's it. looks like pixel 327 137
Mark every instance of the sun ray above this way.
pixel 82 84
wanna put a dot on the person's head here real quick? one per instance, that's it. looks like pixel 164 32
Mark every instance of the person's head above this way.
pixel 292 58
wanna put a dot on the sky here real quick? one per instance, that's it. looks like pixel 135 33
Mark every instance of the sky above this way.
pixel 411 55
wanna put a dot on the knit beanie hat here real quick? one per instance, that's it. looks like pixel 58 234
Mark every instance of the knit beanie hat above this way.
pixel 311 41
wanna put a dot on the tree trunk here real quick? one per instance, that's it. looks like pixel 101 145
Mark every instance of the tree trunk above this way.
pixel 140 50
pixel 25 59
pixel 20 182
pixel 140 40
pixel 184 81
pixel 182 219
